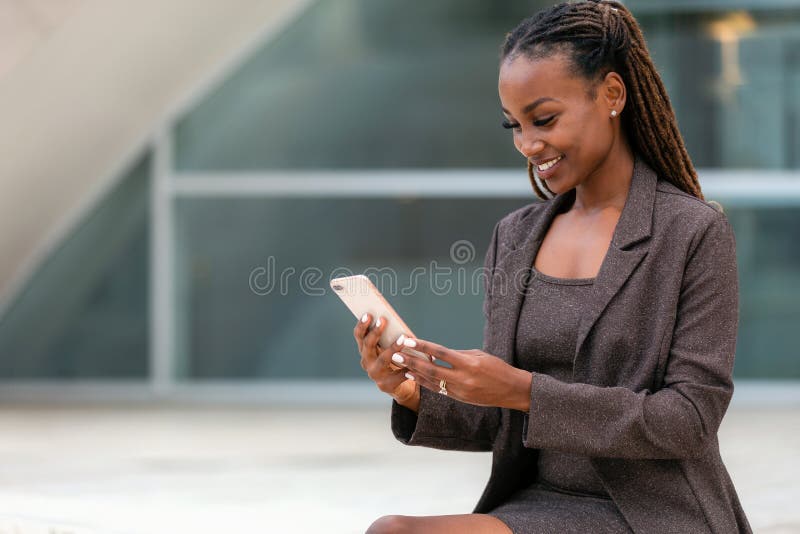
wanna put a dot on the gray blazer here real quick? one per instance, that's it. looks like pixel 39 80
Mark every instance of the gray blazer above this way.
pixel 652 368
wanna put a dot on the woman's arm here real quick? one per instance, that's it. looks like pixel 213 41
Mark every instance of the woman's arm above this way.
pixel 681 419
pixel 442 422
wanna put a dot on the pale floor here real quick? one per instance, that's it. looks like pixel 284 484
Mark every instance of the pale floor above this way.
pixel 76 470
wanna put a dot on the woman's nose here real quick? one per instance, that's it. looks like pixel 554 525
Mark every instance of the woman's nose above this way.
pixel 530 148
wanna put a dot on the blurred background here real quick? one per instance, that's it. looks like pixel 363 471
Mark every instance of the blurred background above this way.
pixel 181 179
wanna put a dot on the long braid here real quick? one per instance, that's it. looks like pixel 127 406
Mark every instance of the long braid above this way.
pixel 600 36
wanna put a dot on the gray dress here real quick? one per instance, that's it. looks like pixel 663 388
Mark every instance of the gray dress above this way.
pixel 566 495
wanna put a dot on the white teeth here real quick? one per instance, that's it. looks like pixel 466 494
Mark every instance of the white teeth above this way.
pixel 547 165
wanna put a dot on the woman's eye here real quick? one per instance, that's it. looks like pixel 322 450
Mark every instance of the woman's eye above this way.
pixel 509 125
pixel 538 123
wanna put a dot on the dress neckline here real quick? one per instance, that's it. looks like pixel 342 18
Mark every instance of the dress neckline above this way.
pixel 563 281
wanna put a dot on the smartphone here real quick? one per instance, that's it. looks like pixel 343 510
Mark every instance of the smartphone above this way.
pixel 361 296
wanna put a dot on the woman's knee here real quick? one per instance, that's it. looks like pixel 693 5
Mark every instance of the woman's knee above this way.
pixel 390 524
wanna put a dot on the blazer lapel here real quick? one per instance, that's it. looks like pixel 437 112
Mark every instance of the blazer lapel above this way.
pixel 634 225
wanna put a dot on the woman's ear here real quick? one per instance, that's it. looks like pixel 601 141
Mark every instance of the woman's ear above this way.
pixel 613 92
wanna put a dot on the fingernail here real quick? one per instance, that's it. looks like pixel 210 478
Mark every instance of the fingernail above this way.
pixel 378 322
pixel 364 318
pixel 408 342
pixel 397 358
pixel 400 339
pixel 409 376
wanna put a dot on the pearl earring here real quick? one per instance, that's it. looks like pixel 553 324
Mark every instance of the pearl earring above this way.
pixel 613 112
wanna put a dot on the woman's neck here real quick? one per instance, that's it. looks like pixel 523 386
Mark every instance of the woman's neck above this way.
pixel 608 186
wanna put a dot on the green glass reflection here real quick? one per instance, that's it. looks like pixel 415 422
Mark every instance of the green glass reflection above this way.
pixel 769 291
pixel 84 312
pixel 386 84
pixel 230 330
pixel 363 84
pixel 732 71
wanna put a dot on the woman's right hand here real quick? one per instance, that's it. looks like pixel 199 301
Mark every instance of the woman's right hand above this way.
pixel 377 362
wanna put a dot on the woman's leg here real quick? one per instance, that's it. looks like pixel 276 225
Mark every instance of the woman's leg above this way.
pixel 439 524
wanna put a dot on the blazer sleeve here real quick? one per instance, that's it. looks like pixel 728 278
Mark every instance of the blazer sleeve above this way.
pixel 443 422
pixel 679 420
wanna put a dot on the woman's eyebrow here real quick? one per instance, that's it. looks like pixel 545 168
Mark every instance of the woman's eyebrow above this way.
pixel 530 107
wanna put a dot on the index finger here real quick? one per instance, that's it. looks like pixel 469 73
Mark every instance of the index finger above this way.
pixel 440 352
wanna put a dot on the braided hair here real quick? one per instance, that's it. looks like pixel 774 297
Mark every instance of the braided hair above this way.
pixel 600 36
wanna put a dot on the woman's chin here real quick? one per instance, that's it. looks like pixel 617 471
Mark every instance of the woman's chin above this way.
pixel 554 186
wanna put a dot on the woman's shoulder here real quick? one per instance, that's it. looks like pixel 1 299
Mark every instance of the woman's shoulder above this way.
pixel 681 217
pixel 669 194
pixel 526 214
pixel 523 212
pixel 675 206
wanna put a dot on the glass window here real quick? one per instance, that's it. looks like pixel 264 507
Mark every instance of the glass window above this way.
pixel 84 312
pixel 357 84
pixel 251 307
pixel 769 290
pixel 733 77
pixel 238 320
pixel 364 84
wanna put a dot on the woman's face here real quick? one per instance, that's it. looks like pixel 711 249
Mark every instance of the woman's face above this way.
pixel 553 116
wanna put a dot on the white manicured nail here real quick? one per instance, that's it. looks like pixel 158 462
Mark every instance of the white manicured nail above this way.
pixel 364 318
pixel 378 322
pixel 400 339
pixel 408 342
pixel 409 376
pixel 397 358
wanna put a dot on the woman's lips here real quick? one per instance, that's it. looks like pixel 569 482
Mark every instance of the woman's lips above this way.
pixel 549 172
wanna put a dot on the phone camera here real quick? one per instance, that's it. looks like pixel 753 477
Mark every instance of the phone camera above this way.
pixel 337 287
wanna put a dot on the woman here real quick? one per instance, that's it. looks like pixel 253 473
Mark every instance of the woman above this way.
pixel 611 309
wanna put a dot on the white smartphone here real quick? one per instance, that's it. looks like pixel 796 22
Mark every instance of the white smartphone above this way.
pixel 361 296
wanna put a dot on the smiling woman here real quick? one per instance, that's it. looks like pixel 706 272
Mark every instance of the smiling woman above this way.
pixel 603 379
pixel 553 54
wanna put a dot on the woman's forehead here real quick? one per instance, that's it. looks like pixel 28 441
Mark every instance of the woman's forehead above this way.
pixel 523 81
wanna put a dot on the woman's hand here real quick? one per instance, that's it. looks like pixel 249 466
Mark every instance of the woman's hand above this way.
pixel 476 377
pixel 378 364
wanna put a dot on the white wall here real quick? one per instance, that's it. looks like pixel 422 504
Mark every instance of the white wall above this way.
pixel 83 98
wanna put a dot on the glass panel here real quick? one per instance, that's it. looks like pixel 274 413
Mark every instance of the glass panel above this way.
pixel 733 77
pixel 365 84
pixel 284 331
pixel 769 291
pixel 235 330
pixel 84 314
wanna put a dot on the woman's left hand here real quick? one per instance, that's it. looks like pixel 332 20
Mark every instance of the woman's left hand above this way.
pixel 475 377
